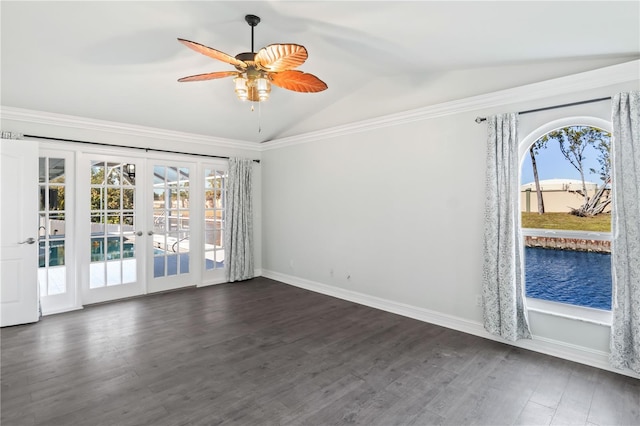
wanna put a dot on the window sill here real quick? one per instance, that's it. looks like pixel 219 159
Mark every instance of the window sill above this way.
pixel 578 313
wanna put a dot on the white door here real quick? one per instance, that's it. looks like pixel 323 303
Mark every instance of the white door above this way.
pixel 18 232
pixel 112 228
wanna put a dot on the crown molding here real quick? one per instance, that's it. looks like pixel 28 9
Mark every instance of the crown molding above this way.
pixel 602 77
pixel 69 121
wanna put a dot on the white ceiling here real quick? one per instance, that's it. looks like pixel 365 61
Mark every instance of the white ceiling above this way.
pixel 119 61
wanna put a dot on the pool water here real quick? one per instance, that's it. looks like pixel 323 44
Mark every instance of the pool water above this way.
pixel 112 252
pixel 573 277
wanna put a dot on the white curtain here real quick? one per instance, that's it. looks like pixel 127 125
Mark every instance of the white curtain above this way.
pixel 238 237
pixel 625 252
pixel 502 280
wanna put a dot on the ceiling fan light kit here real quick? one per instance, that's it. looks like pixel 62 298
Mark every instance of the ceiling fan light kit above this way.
pixel 256 72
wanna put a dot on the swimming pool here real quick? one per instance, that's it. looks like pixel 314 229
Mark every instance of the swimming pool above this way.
pixel 112 252
pixel 573 277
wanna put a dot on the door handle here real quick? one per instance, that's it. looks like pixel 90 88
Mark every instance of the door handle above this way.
pixel 28 241
pixel 139 233
pixel 150 233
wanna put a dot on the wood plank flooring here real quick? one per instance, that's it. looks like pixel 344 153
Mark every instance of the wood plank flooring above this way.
pixel 265 353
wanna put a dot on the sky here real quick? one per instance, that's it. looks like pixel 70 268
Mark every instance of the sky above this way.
pixel 552 165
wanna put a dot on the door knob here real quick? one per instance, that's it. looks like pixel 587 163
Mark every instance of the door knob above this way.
pixel 150 233
pixel 28 241
pixel 139 233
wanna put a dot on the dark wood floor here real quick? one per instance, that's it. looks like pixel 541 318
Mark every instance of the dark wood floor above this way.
pixel 262 352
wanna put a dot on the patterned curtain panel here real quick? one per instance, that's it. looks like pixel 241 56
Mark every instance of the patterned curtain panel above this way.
pixel 625 251
pixel 502 281
pixel 238 240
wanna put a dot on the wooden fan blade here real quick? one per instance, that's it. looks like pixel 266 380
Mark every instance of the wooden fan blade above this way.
pixel 208 76
pixel 280 57
pixel 213 53
pixel 298 81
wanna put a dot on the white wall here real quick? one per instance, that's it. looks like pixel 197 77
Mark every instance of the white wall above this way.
pixel 392 216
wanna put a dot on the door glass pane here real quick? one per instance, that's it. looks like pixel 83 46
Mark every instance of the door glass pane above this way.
pixel 114 176
pixel 56 170
pixel 56 197
pixel 159 265
pixel 97 172
pixel 57 225
pixel 42 170
pixel 129 174
pixel 97 199
pixel 56 281
pixel 113 199
pixel 43 197
pixel 127 198
pixel 97 250
pixel 114 273
pixel 42 255
pixel 97 275
pixel 56 253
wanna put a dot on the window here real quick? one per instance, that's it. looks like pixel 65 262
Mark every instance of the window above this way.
pixel 565 200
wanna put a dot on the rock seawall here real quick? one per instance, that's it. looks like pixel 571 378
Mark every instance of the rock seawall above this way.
pixel 576 244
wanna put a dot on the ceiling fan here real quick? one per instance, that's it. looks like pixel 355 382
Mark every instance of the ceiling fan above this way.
pixel 273 64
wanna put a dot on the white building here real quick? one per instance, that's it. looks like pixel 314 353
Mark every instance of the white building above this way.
pixel 559 195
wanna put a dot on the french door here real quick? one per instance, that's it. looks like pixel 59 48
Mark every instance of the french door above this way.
pixel 170 262
pixel 56 233
pixel 114 238
pixel 138 216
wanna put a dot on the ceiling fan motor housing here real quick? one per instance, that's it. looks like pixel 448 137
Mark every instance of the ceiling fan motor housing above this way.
pixel 252 20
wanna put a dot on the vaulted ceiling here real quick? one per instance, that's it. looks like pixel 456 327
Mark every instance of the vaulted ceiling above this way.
pixel 119 60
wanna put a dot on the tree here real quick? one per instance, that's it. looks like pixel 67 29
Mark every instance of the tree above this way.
pixel 573 141
pixel 533 151
pixel 602 197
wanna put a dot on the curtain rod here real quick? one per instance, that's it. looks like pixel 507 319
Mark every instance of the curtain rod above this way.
pixel 130 147
pixel 481 119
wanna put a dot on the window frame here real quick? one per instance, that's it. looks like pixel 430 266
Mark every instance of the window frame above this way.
pixel 559 309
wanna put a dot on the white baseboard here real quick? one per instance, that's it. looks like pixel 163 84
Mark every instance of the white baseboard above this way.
pixel 579 354
pixel 223 280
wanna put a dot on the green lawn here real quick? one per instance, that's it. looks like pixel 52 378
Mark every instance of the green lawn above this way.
pixel 599 223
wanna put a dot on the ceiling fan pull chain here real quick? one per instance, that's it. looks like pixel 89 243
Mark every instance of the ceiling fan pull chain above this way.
pixel 259 117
